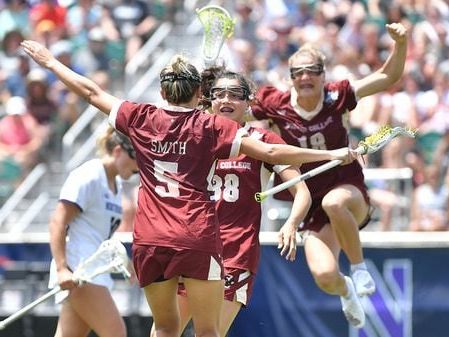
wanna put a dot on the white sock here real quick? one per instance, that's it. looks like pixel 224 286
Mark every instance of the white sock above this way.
pixel 356 266
pixel 348 295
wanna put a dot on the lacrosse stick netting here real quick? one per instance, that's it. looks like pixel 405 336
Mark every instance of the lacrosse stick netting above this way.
pixel 110 257
pixel 218 26
pixel 369 145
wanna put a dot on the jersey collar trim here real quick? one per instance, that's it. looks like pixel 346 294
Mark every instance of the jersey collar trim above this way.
pixel 176 108
pixel 308 115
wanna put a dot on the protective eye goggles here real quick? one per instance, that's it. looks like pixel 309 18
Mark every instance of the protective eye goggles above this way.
pixel 234 92
pixel 309 69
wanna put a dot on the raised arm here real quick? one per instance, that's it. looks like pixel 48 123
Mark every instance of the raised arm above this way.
pixel 392 69
pixel 291 155
pixel 80 85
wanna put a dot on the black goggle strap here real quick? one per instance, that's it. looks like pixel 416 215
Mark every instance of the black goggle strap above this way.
pixel 237 91
pixel 171 77
pixel 129 149
pixel 310 68
pixel 125 144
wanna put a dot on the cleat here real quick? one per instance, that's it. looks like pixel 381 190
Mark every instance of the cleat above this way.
pixel 352 307
pixel 363 282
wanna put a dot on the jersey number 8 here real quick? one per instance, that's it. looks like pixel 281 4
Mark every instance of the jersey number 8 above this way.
pixel 228 190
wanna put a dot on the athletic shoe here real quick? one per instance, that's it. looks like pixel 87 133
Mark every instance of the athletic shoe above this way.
pixel 364 283
pixel 351 306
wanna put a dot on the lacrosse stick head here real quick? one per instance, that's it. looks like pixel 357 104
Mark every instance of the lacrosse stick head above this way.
pixel 110 257
pixel 380 138
pixel 218 26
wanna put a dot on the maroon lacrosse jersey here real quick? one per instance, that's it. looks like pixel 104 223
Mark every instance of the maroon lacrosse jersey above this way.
pixel 176 149
pixel 327 130
pixel 234 184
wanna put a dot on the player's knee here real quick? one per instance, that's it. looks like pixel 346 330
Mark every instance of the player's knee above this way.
pixel 326 280
pixel 332 205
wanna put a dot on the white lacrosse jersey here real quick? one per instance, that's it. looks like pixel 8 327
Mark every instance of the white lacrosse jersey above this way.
pixel 100 215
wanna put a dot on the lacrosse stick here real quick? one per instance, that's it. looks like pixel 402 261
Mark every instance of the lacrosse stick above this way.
pixel 369 145
pixel 110 257
pixel 218 26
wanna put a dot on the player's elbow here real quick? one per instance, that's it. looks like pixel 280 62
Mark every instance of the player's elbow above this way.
pixel 272 154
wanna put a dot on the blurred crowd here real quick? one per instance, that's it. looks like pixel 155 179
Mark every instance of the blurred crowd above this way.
pixel 93 38
pixel 97 38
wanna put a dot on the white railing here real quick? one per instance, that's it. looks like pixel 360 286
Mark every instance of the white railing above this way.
pixel 396 239
pixel 29 215
pixel 32 178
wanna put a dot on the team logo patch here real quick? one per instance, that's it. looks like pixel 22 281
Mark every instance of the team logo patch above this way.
pixel 229 280
pixel 331 96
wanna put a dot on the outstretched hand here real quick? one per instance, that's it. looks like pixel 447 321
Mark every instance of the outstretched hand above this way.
pixel 287 241
pixel 38 53
pixel 397 32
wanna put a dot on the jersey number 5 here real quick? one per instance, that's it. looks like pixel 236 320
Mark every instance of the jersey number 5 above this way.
pixel 171 186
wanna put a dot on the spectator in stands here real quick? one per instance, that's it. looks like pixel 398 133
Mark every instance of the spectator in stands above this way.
pixel 314 115
pixel 247 16
pixel 9 61
pixel 51 13
pixel 430 205
pixel 15 16
pixel 16 82
pixel 176 230
pixel 93 56
pixel 134 22
pixel 40 105
pixel 88 212
pixel 21 137
pixel 239 215
pixel 82 16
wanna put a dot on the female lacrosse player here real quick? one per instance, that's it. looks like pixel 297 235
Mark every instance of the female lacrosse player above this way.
pixel 88 212
pixel 314 114
pixel 234 184
pixel 176 232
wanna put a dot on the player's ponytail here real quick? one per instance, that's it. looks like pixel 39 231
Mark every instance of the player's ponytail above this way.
pixel 179 80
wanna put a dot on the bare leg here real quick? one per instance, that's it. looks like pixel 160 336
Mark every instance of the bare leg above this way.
pixel 184 312
pixel 70 324
pixel 205 299
pixel 162 299
pixel 322 251
pixel 90 306
pixel 228 313
pixel 346 208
